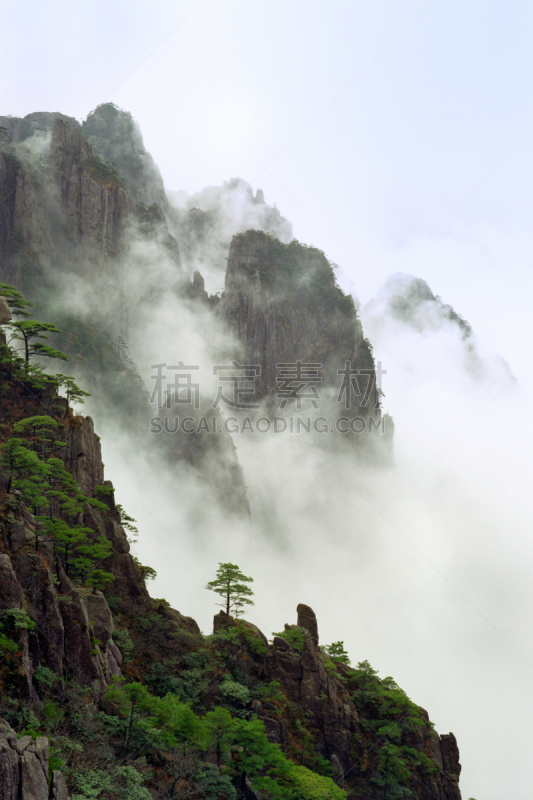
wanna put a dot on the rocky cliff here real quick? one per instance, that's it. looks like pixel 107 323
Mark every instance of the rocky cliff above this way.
pixel 204 224
pixel 116 138
pixel 24 768
pixel 134 700
pixel 67 215
pixel 297 328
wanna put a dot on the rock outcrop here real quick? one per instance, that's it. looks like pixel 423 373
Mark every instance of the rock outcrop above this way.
pixel 71 627
pixel 67 634
pixel 94 207
pixel 115 137
pixel 26 247
pixel 5 312
pixel 38 123
pixel 24 768
pixel 300 332
pixel 83 456
pixel 307 678
pixel 66 214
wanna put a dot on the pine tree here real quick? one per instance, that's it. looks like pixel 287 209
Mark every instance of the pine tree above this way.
pixel 230 584
pixel 28 329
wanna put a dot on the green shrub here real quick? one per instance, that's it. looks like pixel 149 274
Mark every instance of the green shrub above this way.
pixel 214 785
pixel 121 783
pixel 122 638
pixel 294 636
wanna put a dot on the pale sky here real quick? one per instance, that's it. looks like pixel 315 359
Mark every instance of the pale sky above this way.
pixel 387 132
pixel 394 135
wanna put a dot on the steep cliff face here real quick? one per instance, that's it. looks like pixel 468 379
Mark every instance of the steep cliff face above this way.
pixel 54 632
pixel 290 319
pixel 69 230
pixel 283 305
pixel 26 247
pixel 37 123
pixel 103 672
pixel 66 213
pixel 64 616
pixel 94 208
pixel 115 137
pixel 205 223
pixel 212 455
pixel 338 717
pixel 24 768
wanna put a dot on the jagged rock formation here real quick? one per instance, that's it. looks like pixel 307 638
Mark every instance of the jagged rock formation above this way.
pixel 69 219
pixel 25 242
pixel 293 323
pixel 93 206
pixel 65 212
pixel 115 137
pixel 308 700
pixel 283 305
pixel 33 578
pixel 205 223
pixel 24 768
pixel 323 694
pixel 92 230
pixel 38 123
pixel 67 620
pixel 201 441
pixel 410 303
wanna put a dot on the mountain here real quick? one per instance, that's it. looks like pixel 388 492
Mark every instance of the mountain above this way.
pixel 76 238
pixel 116 694
pixel 113 689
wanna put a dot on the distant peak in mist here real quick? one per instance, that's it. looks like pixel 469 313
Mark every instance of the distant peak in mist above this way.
pixel 408 302
pixel 411 301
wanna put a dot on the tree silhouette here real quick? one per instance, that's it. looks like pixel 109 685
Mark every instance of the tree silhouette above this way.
pixel 230 584
pixel 28 329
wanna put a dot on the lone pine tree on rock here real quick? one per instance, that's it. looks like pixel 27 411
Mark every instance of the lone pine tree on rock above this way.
pixel 28 329
pixel 230 584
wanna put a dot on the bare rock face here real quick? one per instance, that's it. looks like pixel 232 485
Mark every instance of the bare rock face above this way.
pixel 213 458
pixel 47 641
pixel 283 664
pixel 9 763
pixel 283 307
pixel 33 760
pixel 78 658
pixel 36 123
pixel 83 456
pixel 25 237
pixel 451 765
pixel 5 312
pixel 115 136
pixel 100 616
pixel 11 594
pixel 95 209
pixel 102 626
pixel 58 787
pixel 112 660
pixel 450 754
pixel 307 620
pixel 24 768
pixel 274 304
